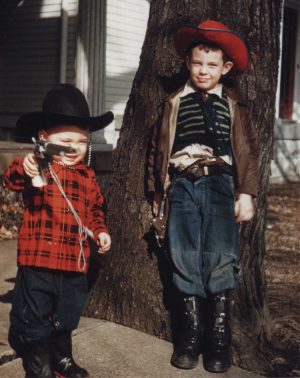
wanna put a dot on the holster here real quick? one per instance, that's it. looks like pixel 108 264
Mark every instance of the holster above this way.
pixel 159 223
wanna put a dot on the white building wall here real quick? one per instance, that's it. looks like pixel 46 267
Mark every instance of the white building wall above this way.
pixel 126 24
pixel 71 42
pixel 296 111
pixel 285 165
pixel 296 106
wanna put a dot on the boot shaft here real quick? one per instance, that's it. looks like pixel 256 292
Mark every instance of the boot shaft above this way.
pixel 190 312
pixel 219 313
pixel 191 321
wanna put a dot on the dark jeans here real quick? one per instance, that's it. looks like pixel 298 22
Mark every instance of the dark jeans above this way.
pixel 202 234
pixel 45 301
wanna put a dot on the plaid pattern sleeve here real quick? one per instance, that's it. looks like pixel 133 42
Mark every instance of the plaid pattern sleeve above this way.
pixel 49 235
pixel 15 177
pixel 97 219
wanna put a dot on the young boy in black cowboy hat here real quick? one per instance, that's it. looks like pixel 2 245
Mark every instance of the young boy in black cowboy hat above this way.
pixel 204 157
pixel 53 252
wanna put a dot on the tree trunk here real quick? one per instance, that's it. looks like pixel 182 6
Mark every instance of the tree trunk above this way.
pixel 134 285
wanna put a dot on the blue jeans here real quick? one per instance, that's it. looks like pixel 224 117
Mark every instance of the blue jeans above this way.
pixel 203 234
pixel 46 301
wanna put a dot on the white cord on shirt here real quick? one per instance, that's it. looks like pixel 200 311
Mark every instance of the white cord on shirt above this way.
pixel 82 230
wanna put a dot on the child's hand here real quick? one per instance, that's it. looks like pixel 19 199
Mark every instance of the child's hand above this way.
pixel 104 242
pixel 244 208
pixel 30 165
pixel 156 203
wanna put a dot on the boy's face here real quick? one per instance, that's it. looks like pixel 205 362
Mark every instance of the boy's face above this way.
pixel 70 136
pixel 206 67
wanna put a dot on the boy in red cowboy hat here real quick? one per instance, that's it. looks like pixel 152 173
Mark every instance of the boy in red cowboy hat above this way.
pixel 53 252
pixel 204 157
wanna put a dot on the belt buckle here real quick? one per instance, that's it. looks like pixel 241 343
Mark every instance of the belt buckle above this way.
pixel 199 171
pixel 194 169
pixel 191 172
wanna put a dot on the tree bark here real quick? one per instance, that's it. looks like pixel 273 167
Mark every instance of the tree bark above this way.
pixel 134 285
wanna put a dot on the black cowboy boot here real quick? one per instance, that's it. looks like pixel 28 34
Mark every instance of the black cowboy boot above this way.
pixel 187 350
pixel 217 356
pixel 61 357
pixel 35 359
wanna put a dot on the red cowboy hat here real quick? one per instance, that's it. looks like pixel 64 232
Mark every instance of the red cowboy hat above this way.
pixel 215 33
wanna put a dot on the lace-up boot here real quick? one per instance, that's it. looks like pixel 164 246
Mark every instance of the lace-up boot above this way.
pixel 217 356
pixel 187 350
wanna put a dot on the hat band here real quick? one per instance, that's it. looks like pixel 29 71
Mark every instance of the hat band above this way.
pixel 212 29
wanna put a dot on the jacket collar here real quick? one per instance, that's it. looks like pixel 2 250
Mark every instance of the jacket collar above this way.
pixel 188 88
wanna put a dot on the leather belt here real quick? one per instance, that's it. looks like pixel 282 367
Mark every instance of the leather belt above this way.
pixel 204 168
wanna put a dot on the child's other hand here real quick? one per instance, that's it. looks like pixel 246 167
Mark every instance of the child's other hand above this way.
pixel 244 208
pixel 156 203
pixel 30 165
pixel 104 242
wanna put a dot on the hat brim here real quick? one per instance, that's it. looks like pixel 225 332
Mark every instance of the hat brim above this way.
pixel 228 41
pixel 29 124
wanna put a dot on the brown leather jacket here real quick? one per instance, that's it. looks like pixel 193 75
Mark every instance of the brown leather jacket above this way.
pixel 243 143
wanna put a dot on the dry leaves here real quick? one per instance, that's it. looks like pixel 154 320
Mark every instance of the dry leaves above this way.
pixel 283 276
pixel 11 214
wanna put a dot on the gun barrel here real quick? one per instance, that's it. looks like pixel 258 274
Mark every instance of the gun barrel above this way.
pixel 56 149
pixel 43 148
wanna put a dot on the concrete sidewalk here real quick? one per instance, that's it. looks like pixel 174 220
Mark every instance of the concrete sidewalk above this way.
pixel 105 349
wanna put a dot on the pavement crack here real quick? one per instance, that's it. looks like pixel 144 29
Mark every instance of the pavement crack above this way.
pixel 7 357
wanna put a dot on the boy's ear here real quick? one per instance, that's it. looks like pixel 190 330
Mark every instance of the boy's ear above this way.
pixel 42 135
pixel 227 67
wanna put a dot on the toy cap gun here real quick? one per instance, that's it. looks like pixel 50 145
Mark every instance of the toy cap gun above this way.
pixel 44 151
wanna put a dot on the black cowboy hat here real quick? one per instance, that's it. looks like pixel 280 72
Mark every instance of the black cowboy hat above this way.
pixel 63 105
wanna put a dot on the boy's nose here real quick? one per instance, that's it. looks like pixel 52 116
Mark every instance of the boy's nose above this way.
pixel 202 70
pixel 74 147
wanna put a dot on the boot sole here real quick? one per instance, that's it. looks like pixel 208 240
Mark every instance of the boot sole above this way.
pixel 187 366
pixel 211 370
pixel 58 375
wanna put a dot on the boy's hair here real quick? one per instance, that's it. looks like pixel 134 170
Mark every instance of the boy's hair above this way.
pixel 48 125
pixel 207 47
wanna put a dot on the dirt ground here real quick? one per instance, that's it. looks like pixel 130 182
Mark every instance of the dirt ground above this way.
pixel 282 269
pixel 283 276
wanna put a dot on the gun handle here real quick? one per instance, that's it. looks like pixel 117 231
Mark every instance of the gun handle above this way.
pixel 39 180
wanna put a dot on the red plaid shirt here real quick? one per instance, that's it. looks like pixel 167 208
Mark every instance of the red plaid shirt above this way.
pixel 49 235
